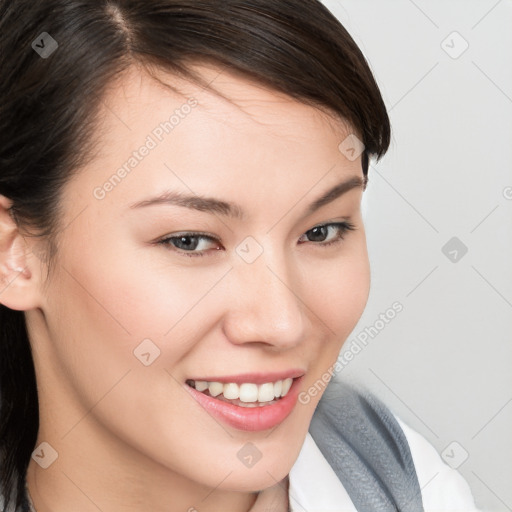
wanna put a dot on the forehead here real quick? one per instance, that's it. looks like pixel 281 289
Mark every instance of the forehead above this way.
pixel 256 146
pixel 136 98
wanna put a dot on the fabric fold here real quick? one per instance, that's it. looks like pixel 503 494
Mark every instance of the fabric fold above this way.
pixel 367 449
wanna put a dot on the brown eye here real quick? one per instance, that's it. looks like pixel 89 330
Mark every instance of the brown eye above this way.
pixel 327 234
pixel 318 234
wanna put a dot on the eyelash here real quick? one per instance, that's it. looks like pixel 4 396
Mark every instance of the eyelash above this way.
pixel 343 227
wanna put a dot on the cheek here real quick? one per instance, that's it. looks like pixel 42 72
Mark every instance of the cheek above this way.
pixel 341 289
pixel 102 309
pixel 338 301
pixel 134 293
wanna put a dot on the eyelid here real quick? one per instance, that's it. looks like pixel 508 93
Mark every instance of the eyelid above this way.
pixel 190 233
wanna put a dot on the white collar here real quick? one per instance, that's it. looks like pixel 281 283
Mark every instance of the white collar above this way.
pixel 313 484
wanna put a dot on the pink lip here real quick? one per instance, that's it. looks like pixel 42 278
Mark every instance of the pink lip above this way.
pixel 249 418
pixel 255 378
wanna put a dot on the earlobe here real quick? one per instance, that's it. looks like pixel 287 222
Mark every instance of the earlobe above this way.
pixel 19 283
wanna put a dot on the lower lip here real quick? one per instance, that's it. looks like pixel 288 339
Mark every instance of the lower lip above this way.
pixel 249 418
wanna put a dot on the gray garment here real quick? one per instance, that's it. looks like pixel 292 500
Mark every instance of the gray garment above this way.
pixel 367 449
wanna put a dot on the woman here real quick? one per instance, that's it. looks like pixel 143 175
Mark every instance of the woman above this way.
pixel 183 256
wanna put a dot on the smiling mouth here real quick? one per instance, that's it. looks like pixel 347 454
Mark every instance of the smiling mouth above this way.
pixel 246 394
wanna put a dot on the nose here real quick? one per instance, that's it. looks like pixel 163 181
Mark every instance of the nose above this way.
pixel 265 305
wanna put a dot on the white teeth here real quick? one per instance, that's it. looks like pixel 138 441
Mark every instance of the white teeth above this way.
pixel 231 391
pixel 201 385
pixel 266 392
pixel 287 384
pixel 215 388
pixel 278 388
pixel 247 392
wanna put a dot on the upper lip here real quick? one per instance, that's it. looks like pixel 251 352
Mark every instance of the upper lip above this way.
pixel 254 377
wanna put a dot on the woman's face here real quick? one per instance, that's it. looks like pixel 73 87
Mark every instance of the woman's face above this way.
pixel 232 280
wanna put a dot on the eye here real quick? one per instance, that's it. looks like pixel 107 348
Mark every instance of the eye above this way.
pixel 327 234
pixel 193 244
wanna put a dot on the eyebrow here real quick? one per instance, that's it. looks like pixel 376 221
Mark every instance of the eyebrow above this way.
pixel 212 205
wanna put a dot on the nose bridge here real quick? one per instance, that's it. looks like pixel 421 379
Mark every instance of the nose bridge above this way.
pixel 267 307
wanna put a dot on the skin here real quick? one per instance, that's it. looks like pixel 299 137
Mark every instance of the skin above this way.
pixel 128 436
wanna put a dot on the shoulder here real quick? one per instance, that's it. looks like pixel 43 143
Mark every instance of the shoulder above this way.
pixel 376 454
pixel 442 488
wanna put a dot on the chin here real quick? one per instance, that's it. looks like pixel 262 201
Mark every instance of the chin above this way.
pixel 257 478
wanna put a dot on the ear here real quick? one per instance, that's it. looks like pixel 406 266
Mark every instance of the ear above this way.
pixel 20 270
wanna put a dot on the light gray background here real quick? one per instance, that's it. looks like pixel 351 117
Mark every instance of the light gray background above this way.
pixel 444 363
